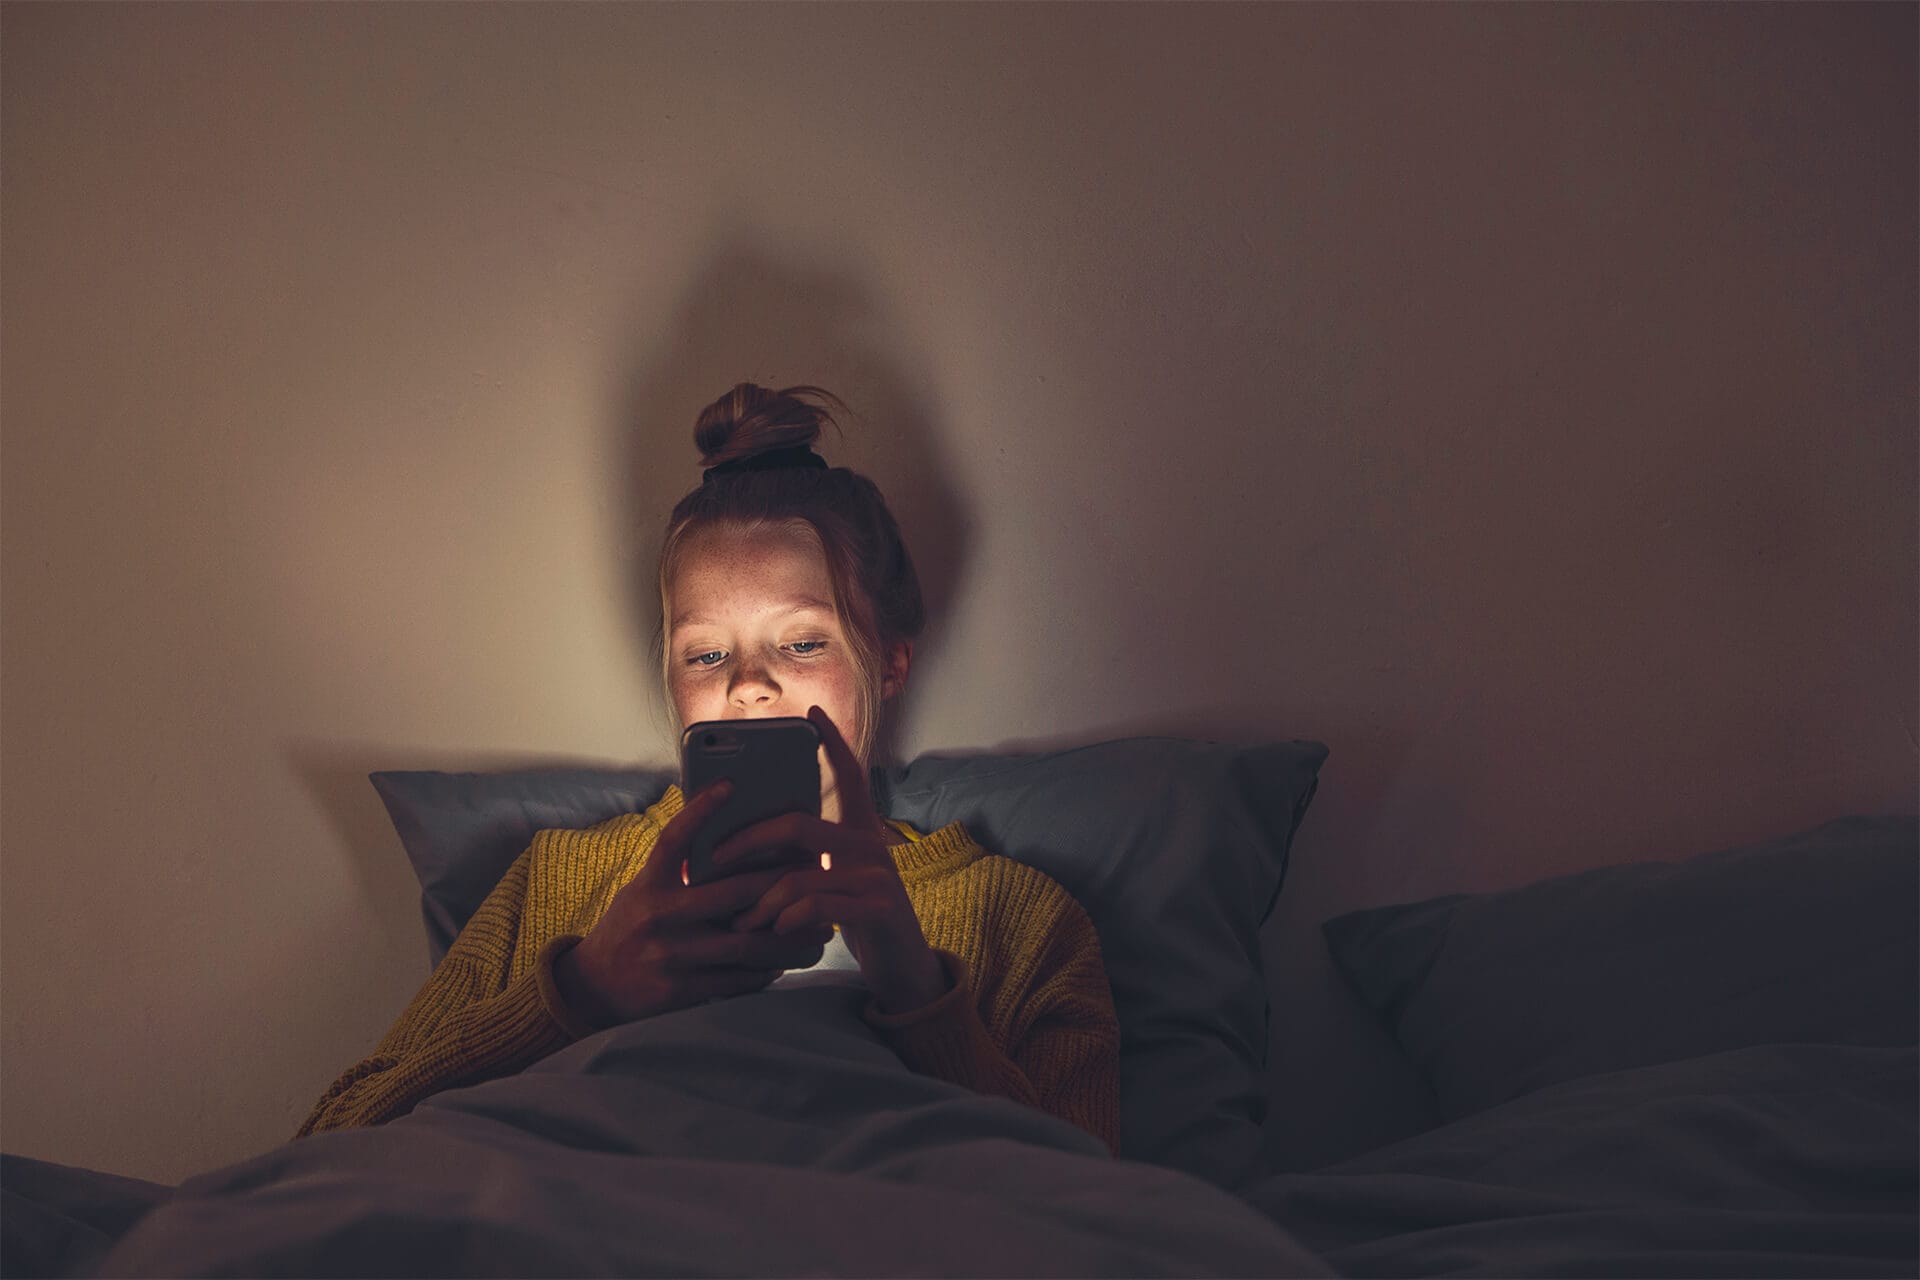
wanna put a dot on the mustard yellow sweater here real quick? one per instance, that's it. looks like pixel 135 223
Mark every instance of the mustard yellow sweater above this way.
pixel 1029 1015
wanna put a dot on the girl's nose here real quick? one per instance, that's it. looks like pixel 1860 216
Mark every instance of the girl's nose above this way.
pixel 753 688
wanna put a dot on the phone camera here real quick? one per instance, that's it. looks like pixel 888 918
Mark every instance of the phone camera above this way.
pixel 712 738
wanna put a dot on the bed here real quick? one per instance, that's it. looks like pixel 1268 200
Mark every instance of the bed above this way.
pixel 1703 1066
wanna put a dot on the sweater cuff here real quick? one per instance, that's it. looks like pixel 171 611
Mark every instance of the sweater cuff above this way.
pixel 944 1038
pixel 564 1017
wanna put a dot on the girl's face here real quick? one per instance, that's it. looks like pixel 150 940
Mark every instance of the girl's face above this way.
pixel 752 633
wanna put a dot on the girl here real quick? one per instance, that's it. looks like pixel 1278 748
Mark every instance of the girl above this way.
pixel 785 590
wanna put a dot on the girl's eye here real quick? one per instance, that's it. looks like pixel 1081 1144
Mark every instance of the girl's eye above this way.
pixel 798 647
pixel 701 660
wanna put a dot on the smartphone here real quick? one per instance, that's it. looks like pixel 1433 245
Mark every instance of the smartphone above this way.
pixel 774 766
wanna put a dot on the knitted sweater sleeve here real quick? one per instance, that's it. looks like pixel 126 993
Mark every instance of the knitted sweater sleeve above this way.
pixel 472 1020
pixel 1059 1044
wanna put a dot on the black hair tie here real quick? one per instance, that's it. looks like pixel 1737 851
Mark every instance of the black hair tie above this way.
pixel 794 455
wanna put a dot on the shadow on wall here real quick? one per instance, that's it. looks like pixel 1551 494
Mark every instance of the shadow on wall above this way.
pixel 748 316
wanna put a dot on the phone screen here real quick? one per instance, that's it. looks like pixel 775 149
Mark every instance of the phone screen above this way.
pixel 774 767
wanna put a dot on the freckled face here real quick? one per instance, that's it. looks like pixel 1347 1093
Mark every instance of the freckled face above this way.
pixel 751 633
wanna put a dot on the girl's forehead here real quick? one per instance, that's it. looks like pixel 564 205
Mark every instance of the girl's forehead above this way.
pixel 735 569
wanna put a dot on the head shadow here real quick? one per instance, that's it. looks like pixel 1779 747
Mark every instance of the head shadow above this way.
pixel 749 315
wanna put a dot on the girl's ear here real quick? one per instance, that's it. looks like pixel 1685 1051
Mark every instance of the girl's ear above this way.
pixel 894 678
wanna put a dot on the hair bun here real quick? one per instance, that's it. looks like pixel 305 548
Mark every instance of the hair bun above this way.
pixel 751 419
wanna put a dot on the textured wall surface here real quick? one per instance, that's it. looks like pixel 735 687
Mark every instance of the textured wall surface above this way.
pixel 1520 400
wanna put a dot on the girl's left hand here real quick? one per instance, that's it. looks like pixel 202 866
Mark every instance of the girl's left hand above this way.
pixel 855 885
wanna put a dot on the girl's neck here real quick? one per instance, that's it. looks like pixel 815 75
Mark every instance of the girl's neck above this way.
pixel 830 811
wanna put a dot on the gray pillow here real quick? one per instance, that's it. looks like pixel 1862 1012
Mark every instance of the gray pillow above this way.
pixel 462 831
pixel 1807 939
pixel 1175 848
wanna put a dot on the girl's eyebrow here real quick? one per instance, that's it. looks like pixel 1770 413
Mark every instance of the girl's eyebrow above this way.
pixel 801 605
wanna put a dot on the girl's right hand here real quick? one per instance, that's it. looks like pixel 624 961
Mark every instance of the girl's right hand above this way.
pixel 665 945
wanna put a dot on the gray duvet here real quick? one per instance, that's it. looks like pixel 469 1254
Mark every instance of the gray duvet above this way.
pixel 1774 1160
pixel 768 1135
pixel 774 1135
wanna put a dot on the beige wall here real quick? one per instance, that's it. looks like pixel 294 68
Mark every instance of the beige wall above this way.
pixel 1519 399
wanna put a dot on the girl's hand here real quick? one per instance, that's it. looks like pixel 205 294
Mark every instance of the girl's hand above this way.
pixel 665 945
pixel 856 886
